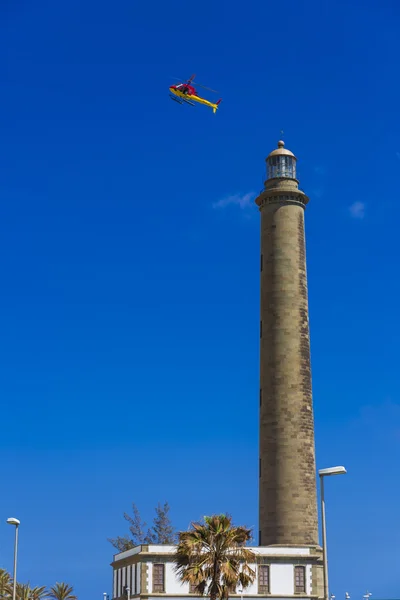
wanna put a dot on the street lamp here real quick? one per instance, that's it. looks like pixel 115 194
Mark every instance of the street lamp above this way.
pixel 326 473
pixel 16 524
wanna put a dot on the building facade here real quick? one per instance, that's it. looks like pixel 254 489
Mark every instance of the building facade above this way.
pixel 287 476
pixel 147 571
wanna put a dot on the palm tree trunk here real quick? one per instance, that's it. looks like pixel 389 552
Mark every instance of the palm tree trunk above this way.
pixel 217 577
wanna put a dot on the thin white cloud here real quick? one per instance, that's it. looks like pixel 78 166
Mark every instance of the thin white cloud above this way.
pixel 243 201
pixel 357 210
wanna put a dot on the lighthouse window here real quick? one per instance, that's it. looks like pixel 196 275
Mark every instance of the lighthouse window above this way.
pixel 285 166
pixel 300 580
pixel 281 166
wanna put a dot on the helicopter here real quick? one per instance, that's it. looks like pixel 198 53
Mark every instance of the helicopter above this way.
pixel 186 93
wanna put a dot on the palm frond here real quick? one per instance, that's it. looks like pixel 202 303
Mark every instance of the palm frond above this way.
pixel 23 591
pixel 62 591
pixel 5 585
pixel 39 593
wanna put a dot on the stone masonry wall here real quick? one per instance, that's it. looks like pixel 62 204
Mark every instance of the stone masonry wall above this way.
pixel 287 487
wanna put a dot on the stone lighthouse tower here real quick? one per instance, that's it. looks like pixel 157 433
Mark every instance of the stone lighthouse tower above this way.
pixel 287 487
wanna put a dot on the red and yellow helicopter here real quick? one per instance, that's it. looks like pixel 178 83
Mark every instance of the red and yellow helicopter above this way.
pixel 185 92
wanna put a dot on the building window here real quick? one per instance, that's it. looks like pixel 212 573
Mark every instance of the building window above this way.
pixel 158 578
pixel 133 579
pixel 263 579
pixel 300 580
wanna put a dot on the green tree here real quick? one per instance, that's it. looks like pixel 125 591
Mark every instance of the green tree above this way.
pixel 5 585
pixel 162 531
pixel 212 556
pixel 62 591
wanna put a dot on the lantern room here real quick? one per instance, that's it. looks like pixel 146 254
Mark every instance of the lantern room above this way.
pixel 281 163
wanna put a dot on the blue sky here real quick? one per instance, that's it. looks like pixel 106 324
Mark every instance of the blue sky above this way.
pixel 130 269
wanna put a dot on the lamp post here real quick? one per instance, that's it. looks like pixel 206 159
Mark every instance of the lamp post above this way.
pixel 326 473
pixel 16 524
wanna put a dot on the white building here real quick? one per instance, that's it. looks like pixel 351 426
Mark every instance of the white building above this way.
pixel 147 571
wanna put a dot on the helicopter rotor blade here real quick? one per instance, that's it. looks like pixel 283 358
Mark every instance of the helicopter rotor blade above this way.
pixel 189 81
pixel 184 80
pixel 180 79
pixel 207 88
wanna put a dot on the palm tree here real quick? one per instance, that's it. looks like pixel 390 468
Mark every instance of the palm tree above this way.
pixel 5 584
pixel 212 557
pixel 23 591
pixel 62 591
pixel 39 593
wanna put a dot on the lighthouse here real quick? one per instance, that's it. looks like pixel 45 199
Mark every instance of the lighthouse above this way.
pixel 287 477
